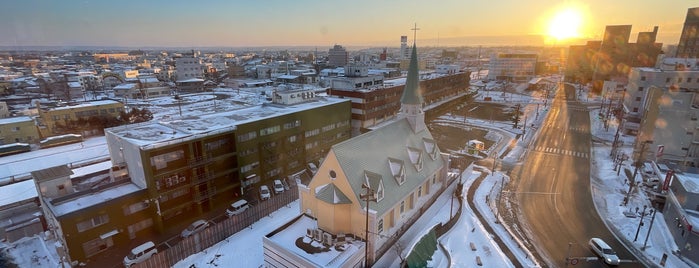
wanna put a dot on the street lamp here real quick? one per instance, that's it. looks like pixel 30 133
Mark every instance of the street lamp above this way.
pixel 640 223
pixel 639 161
pixel 367 196
pixel 649 228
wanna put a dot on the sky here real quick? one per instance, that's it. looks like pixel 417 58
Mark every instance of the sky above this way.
pixel 182 23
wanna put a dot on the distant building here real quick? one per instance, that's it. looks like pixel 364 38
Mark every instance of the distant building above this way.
pixel 670 74
pixel 404 53
pixel 50 117
pixel 612 58
pixel 688 46
pixel 189 68
pixel 338 56
pixel 18 129
pixel 373 104
pixel 405 173
pixel 512 67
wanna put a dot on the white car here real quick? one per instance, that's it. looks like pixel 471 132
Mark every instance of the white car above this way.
pixel 195 227
pixel 278 187
pixel 237 207
pixel 140 254
pixel 604 251
pixel 264 192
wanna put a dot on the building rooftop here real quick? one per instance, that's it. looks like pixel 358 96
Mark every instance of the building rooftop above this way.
pixel 690 181
pixel 17 192
pixel 17 119
pixel 86 104
pixel 83 201
pixel 192 126
pixel 293 233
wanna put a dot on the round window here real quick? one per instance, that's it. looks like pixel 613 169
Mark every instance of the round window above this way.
pixel 333 175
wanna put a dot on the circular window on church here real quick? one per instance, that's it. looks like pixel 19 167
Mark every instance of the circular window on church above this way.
pixel 333 175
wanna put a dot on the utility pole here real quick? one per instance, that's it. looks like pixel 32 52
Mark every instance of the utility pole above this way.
pixel 640 222
pixel 639 162
pixel 652 218
pixel 367 196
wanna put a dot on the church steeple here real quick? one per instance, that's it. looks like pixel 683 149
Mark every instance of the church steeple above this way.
pixel 411 101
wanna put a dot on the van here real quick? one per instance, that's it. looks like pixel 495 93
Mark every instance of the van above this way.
pixel 278 187
pixel 237 207
pixel 604 251
pixel 140 254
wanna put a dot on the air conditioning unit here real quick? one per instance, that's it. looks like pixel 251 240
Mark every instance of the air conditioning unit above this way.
pixel 318 235
pixel 341 238
pixel 309 232
pixel 327 239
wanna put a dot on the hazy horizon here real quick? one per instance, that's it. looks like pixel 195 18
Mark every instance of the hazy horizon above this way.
pixel 278 23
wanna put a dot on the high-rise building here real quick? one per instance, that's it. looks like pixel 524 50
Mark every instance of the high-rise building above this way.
pixel 404 49
pixel 689 39
pixel 338 56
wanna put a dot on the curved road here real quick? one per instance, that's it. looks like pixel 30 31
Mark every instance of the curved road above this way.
pixel 552 189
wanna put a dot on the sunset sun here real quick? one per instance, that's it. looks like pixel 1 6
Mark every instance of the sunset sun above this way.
pixel 565 24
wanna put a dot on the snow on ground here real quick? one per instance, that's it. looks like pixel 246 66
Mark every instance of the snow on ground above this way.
pixel 244 249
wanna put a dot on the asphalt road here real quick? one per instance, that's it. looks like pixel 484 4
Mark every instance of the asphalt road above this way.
pixel 551 189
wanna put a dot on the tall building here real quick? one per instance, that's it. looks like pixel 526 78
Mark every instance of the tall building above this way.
pixel 188 67
pixel 612 58
pixel 688 46
pixel 404 48
pixel 399 165
pixel 338 56
pixel 662 105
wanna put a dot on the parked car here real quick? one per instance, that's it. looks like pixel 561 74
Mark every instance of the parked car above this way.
pixel 264 192
pixel 237 207
pixel 194 228
pixel 604 251
pixel 140 254
pixel 278 187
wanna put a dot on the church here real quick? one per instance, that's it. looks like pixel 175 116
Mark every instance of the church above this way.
pixel 397 170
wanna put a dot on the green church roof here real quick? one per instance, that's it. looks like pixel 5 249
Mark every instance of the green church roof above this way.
pixel 411 93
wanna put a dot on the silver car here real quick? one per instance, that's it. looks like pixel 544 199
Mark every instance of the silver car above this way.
pixel 604 251
pixel 195 227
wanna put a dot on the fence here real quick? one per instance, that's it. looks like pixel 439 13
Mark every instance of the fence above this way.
pixel 217 232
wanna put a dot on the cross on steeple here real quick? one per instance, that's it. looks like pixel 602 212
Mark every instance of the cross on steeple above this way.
pixel 415 29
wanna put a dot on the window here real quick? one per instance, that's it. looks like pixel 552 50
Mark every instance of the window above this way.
pixel 97 245
pixel 92 223
pixel 292 124
pixel 402 206
pixel 643 78
pixel 380 227
pixel 249 167
pixel 15 129
pixel 133 208
pixel 640 88
pixel 247 136
pixel 293 138
pixel 667 80
pixel 635 110
pixel 269 130
pixel 419 191
pixel 161 161
pixel 638 98
pixel 689 79
pixel 311 133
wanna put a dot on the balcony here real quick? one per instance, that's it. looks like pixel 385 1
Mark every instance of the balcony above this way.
pixel 200 160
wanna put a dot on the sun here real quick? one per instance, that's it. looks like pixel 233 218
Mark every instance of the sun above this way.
pixel 565 24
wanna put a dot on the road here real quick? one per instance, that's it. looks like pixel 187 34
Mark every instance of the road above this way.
pixel 551 189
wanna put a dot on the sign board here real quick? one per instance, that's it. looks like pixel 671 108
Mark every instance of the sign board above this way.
pixel 659 153
pixel 668 178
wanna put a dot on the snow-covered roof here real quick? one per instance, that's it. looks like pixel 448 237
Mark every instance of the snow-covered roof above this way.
pixel 287 76
pixel 125 86
pixel 85 201
pixel 86 170
pixel 74 84
pixel 286 238
pixel 690 181
pixel 87 104
pixel 16 192
pixel 156 133
pixel 12 120
pixel 191 80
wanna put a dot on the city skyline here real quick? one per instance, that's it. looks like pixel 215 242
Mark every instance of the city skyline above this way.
pixel 309 23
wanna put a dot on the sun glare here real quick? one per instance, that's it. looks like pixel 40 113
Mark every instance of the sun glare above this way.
pixel 565 24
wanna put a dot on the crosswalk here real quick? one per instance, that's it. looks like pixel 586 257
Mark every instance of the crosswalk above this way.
pixel 559 151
